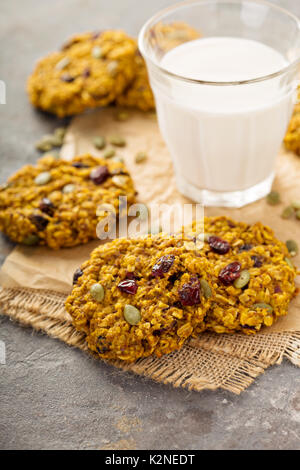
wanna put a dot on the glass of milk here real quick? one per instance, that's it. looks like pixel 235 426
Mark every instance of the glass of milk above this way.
pixel 224 76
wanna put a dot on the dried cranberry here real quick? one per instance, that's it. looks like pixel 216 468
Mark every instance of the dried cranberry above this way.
pixel 78 273
pixel 129 286
pixel 86 72
pixel 39 221
pixel 80 165
pixel 230 273
pixel 66 77
pixel 47 206
pixel 102 346
pixel 162 265
pixel 189 292
pixel 277 290
pixel 218 245
pixel 245 247
pixel 99 174
pixel 258 261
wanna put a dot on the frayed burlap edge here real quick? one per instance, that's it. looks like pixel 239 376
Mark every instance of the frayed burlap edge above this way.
pixel 211 361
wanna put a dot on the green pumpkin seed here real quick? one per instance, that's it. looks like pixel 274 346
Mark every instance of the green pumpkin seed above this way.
pixel 99 142
pixel 298 215
pixel 112 68
pixel 4 186
pixel 97 52
pixel 31 240
pixel 122 116
pixel 43 178
pixel 48 141
pixel 289 263
pixel 203 237
pixel 62 63
pixel 132 315
pixel 189 245
pixel 43 146
pixel 117 140
pixel 273 198
pixel 288 212
pixel 243 280
pixel 141 157
pixel 68 189
pixel 206 288
pixel 292 246
pixel 120 180
pixel 60 132
pixel 264 306
pixel 97 292
pixel 103 209
pixel 118 159
pixel 296 204
pixel 109 153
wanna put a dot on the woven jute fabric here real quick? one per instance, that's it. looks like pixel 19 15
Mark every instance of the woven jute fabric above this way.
pixel 211 361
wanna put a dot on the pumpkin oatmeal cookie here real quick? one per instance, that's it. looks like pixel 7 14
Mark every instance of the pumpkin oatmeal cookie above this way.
pixel 134 298
pixel 139 297
pixel 167 36
pixel 292 137
pixel 91 70
pixel 252 276
pixel 138 94
pixel 55 202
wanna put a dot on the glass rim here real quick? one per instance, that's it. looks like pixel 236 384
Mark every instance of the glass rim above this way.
pixel 293 65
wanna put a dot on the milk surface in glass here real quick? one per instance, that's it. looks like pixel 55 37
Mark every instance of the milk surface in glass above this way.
pixel 223 138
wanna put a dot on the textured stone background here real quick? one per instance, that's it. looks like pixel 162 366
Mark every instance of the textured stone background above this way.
pixel 53 397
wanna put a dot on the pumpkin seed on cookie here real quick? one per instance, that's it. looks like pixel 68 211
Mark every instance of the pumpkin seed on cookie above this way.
pixel 62 63
pixel 132 315
pixel 43 178
pixel 205 288
pixel 292 246
pixel 243 280
pixel 97 52
pixel 97 292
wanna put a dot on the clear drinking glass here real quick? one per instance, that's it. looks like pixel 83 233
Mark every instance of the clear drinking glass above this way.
pixel 223 136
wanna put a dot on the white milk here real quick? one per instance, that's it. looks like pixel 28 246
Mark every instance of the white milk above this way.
pixel 223 139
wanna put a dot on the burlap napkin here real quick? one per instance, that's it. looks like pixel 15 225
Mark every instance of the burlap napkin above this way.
pixel 35 281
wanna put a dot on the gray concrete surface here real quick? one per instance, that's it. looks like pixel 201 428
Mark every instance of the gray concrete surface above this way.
pixel 54 397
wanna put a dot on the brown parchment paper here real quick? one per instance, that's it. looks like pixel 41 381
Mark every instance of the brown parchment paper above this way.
pixel 35 281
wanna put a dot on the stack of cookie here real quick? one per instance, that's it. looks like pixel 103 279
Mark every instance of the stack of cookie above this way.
pixel 91 70
pixel 97 69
